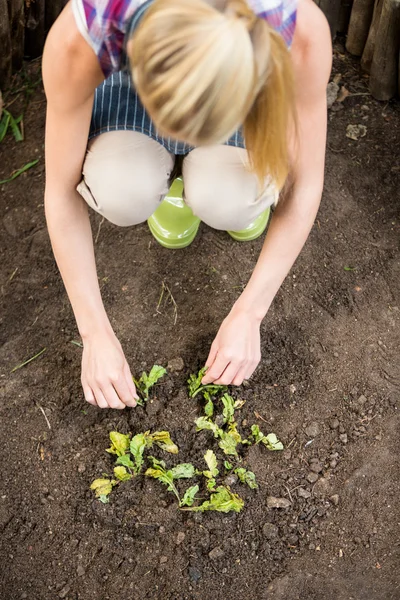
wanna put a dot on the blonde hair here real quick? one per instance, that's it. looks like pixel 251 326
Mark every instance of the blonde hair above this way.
pixel 202 73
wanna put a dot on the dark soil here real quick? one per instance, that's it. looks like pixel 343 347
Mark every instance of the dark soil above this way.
pixel 330 361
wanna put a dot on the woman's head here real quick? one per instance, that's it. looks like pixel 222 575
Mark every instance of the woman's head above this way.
pixel 201 73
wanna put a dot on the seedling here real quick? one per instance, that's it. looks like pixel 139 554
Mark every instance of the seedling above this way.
pixel 146 381
pixel 246 477
pixel 270 440
pixel 212 472
pixel 222 500
pixel 195 386
pixel 167 477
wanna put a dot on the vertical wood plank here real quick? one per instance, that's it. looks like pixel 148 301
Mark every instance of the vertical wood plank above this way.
pixel 17 32
pixel 383 83
pixel 331 9
pixel 344 15
pixel 368 54
pixel 5 45
pixel 52 10
pixel 360 21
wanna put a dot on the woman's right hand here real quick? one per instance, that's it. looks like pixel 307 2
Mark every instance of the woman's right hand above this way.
pixel 106 376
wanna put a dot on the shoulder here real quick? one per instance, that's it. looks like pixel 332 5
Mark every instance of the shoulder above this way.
pixel 312 46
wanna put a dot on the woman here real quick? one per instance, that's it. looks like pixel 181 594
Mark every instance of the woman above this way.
pixel 202 69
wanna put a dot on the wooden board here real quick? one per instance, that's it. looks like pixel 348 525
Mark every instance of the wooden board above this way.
pixel 360 21
pixel 385 64
pixel 5 45
pixel 16 14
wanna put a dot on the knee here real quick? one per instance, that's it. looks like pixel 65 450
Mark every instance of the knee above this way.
pixel 125 188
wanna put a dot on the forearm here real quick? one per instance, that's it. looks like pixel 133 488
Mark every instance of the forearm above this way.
pixel 71 238
pixel 287 234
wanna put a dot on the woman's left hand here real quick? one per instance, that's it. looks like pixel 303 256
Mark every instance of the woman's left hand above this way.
pixel 235 352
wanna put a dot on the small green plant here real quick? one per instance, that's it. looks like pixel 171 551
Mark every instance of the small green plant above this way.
pixel 195 386
pixel 146 382
pixel 222 500
pixel 168 476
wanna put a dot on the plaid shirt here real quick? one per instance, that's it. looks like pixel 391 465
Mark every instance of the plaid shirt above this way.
pixel 104 23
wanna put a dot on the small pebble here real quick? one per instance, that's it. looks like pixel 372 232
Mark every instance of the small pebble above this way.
pixel 162 529
pixel 273 502
pixel 316 466
pixel 336 354
pixel 303 493
pixel 163 560
pixel 312 430
pixel 343 438
pixel 179 538
pixel 293 540
pixel 334 424
pixel 80 570
pixel 334 499
pixel 270 531
pixel 311 547
pixel 194 574
pixel 333 463
pixel 357 540
pixel 230 480
pixel 312 477
pixel 175 364
pixel 64 592
pixel 216 553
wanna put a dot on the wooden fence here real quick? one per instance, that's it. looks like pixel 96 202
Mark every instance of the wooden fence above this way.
pixel 372 27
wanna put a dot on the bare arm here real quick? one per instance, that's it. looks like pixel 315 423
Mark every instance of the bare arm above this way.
pixel 232 360
pixel 71 73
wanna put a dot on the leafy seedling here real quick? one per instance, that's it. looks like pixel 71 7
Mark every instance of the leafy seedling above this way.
pixel 246 477
pixel 167 477
pixel 195 386
pixel 228 466
pixel 19 172
pixel 163 440
pixel 137 447
pixel 146 382
pixel 103 488
pixel 209 406
pixel 203 423
pixel 229 408
pixel 270 441
pixel 222 500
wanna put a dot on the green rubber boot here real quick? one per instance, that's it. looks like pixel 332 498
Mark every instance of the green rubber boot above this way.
pixel 173 224
pixel 252 231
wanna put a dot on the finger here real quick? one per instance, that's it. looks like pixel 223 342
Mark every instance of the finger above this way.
pixel 241 375
pixel 216 369
pixel 112 398
pixel 228 375
pixel 100 400
pixel 131 387
pixel 212 354
pixel 89 396
pixel 123 392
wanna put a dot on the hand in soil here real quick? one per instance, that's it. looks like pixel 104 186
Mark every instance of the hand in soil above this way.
pixel 106 377
pixel 235 352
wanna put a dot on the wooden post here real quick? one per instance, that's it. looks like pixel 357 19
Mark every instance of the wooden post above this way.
pixel 35 28
pixel 369 49
pixel 383 83
pixel 344 15
pixel 360 21
pixel 331 9
pixel 17 32
pixel 5 45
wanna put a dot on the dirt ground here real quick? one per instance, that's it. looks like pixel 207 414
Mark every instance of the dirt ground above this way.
pixel 328 386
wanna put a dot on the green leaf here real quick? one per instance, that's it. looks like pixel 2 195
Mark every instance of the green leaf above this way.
pixel 166 477
pixel 104 499
pixel 211 483
pixel 222 500
pixel 137 448
pixel 256 433
pixel 101 487
pixel 204 423
pixel 212 464
pixel 228 466
pixel 228 444
pixel 126 461
pixel 229 408
pixel 189 496
pixel 272 442
pixel 121 474
pixel 4 123
pixel 239 404
pixel 147 381
pixel 119 443
pixel 183 471
pixel 15 129
pixel 247 477
pixel 19 172
pixel 164 441
pixel 195 386
pixel 350 268
pixel 234 432
pixel 209 407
